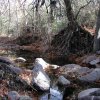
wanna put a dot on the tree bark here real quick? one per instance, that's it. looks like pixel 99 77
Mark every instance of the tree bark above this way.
pixel 69 11
pixel 97 36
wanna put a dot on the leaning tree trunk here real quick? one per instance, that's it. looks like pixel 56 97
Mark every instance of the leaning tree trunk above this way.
pixel 71 39
pixel 97 36
pixel 69 11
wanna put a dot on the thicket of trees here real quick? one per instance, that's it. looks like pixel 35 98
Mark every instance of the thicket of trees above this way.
pixel 47 17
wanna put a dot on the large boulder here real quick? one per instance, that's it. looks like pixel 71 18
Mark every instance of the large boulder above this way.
pixel 91 76
pixel 37 77
pixel 40 78
pixel 69 69
pixel 5 60
pixel 90 94
pixel 90 58
pixel 83 70
pixel 10 68
pixel 7 64
pixel 40 63
pixel 74 70
pixel 15 70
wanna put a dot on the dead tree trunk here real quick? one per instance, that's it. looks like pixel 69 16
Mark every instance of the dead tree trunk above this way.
pixel 69 11
pixel 71 39
pixel 97 36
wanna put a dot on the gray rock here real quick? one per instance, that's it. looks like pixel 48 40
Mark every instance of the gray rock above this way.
pixel 90 94
pixel 70 68
pixel 13 95
pixel 53 95
pixel 74 70
pixel 8 65
pixel 83 70
pixel 41 63
pixel 25 98
pixel 98 52
pixel 40 79
pixel 63 81
pixel 5 60
pixel 44 65
pixel 89 59
pixel 16 69
pixel 94 62
pixel 92 76
pixel 36 77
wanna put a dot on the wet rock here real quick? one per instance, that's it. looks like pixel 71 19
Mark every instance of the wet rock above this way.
pixel 25 98
pixel 13 95
pixel 90 94
pixel 36 77
pixel 53 95
pixel 91 77
pixel 63 81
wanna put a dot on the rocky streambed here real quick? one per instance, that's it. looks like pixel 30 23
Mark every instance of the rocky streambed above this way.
pixel 44 81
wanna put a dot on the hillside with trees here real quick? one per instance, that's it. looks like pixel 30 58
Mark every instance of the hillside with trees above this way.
pixel 49 50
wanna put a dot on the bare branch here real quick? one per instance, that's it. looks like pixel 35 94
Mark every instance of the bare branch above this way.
pixel 82 8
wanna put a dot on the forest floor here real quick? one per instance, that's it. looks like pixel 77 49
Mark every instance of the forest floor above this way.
pixel 9 81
